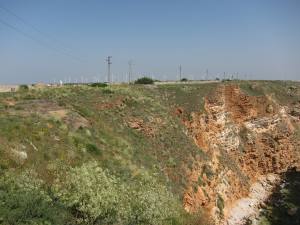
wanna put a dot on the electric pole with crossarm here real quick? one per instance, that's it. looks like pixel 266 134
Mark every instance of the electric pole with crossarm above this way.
pixel 108 60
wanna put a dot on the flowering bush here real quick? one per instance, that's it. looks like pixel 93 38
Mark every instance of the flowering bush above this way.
pixel 100 198
pixel 24 201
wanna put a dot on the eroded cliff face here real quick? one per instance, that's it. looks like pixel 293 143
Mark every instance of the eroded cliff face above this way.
pixel 246 137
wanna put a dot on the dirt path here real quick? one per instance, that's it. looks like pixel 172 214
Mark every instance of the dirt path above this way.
pixel 248 208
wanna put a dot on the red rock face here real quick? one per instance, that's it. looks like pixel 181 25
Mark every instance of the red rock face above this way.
pixel 245 137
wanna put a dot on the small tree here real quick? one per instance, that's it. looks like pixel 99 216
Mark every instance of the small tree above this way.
pixel 144 80
pixel 23 87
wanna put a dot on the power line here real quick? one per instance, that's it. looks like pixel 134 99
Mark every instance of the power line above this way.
pixel 38 41
pixel 46 35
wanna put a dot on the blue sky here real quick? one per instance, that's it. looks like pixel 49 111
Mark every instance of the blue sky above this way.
pixel 69 39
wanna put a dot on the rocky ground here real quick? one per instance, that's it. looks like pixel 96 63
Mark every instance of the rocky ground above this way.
pixel 247 209
pixel 247 138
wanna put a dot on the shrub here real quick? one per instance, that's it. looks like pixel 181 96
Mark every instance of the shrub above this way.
pixel 23 201
pixel 101 198
pixel 98 85
pixel 23 87
pixel 184 79
pixel 93 149
pixel 91 192
pixel 144 80
pixel 152 203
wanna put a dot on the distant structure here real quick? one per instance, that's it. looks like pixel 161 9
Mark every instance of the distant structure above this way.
pixel 180 72
pixel 8 88
pixel 108 60
pixel 40 85
pixel 130 71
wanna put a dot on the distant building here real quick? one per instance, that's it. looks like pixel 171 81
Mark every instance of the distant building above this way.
pixel 40 85
pixel 8 88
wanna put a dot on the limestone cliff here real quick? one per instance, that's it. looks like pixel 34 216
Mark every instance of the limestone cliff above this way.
pixel 246 137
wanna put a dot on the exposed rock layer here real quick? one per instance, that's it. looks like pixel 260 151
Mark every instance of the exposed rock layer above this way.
pixel 246 137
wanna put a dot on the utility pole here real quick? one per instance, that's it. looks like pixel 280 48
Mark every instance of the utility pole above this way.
pixel 129 71
pixel 180 72
pixel 206 74
pixel 108 60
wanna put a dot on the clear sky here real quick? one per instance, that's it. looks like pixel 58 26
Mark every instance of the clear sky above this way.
pixel 42 41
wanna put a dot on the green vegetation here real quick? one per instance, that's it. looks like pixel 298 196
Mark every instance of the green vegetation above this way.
pixel 220 204
pixel 284 204
pixel 24 201
pixel 23 87
pixel 144 80
pixel 59 133
pixel 206 169
pixel 101 85
pixel 101 198
pixel 93 149
pixel 284 92
pixel 127 138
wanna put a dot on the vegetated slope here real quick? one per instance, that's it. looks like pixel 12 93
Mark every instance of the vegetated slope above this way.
pixel 141 154
pixel 128 135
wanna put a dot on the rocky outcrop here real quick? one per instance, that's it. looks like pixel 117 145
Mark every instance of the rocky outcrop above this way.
pixel 247 208
pixel 246 137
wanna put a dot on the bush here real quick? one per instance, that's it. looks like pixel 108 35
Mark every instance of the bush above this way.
pixel 98 85
pixel 144 80
pixel 23 201
pixel 101 198
pixel 184 79
pixel 152 203
pixel 23 87
pixel 93 149
pixel 92 193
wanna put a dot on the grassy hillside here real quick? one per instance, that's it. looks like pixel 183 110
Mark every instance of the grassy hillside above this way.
pixel 129 132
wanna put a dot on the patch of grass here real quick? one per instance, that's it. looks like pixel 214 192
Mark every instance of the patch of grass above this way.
pixel 101 85
pixel 251 88
pixel 92 148
pixel 107 91
pixel 220 204
pixel 200 181
pixel 206 169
